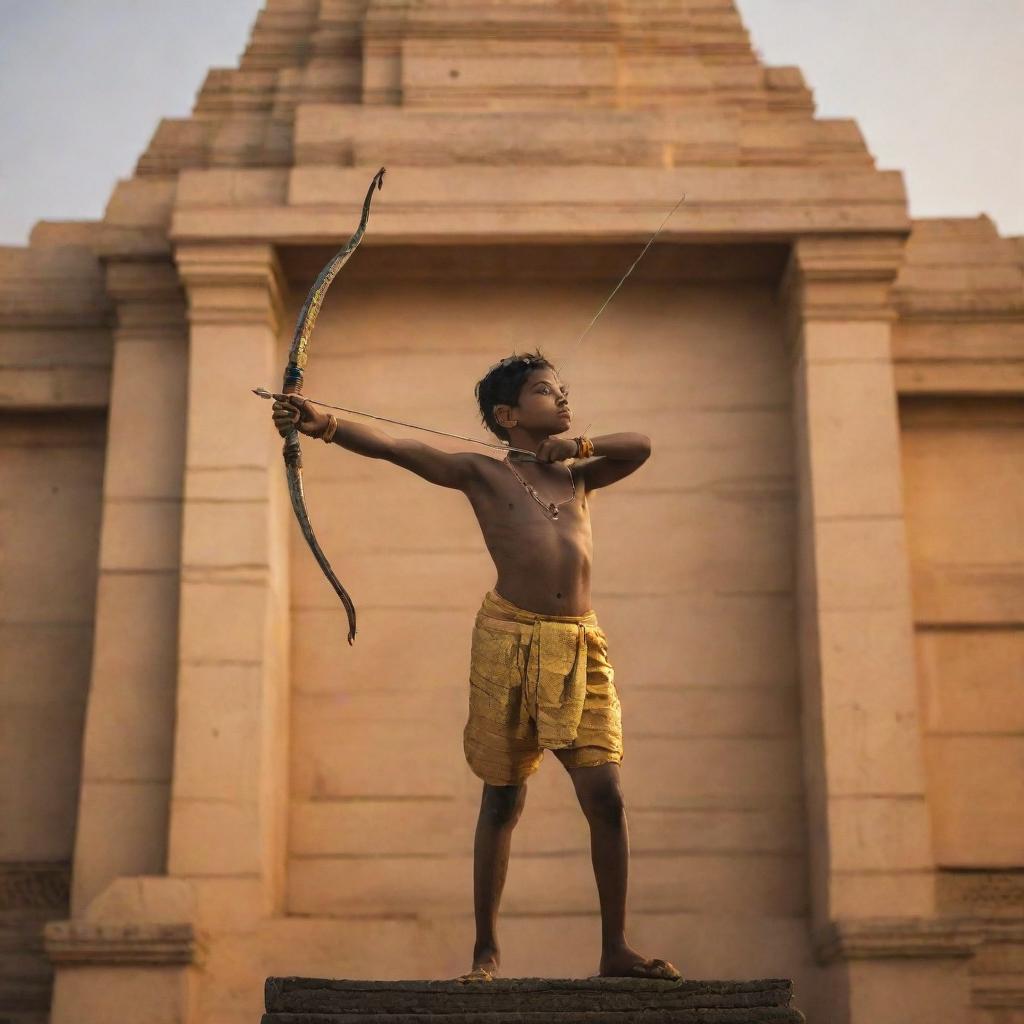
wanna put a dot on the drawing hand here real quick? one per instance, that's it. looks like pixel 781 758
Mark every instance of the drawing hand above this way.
pixel 556 449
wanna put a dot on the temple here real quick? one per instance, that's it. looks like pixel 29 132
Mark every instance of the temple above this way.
pixel 814 590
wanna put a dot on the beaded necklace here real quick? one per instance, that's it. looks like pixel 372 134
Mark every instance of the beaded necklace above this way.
pixel 550 507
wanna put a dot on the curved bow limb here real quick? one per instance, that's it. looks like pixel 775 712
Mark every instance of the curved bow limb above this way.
pixel 293 380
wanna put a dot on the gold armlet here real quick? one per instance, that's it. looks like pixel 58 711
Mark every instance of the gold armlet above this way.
pixel 332 425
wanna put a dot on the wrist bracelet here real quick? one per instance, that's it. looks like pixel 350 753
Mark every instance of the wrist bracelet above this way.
pixel 332 425
pixel 584 447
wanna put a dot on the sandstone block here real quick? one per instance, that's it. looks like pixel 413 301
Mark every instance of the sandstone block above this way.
pixel 517 1000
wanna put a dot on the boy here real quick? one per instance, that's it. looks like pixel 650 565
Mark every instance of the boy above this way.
pixel 539 676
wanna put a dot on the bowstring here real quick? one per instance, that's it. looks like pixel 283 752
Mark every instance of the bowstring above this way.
pixel 265 393
pixel 622 280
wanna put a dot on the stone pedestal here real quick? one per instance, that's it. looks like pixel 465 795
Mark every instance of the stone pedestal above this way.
pixel 133 956
pixel 517 1000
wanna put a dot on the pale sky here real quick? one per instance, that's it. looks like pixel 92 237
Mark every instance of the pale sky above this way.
pixel 937 87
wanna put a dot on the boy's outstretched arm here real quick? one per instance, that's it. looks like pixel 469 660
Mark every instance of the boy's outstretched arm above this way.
pixel 443 468
pixel 447 469
pixel 615 456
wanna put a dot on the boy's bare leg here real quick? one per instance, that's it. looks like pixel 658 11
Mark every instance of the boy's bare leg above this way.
pixel 600 796
pixel 500 808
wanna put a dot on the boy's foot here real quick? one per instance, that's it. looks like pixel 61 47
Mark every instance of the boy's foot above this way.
pixel 628 963
pixel 479 973
pixel 485 966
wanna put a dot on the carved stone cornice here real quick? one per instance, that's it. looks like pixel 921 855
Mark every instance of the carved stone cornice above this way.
pixel 147 294
pixel 935 938
pixel 232 284
pixel 87 942
pixel 898 938
pixel 843 277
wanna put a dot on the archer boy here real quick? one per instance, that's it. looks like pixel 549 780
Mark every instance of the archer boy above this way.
pixel 539 674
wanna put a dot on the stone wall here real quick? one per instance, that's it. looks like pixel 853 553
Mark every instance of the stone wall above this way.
pixel 962 465
pixel 807 799
pixel 693 580
pixel 54 373
pixel 959 358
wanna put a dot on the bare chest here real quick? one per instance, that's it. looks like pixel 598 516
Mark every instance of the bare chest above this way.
pixel 532 500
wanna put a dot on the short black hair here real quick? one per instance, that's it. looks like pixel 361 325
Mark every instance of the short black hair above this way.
pixel 502 383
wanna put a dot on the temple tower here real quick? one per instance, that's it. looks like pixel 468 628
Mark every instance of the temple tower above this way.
pixel 813 590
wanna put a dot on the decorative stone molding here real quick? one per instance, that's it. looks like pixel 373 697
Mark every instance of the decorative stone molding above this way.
pixel 898 938
pixel 1009 996
pixel 996 984
pixel 94 943
pixel 232 284
pixel 850 258
pixel 30 893
pixel 31 885
pixel 981 892
pixel 148 294
pixel 842 277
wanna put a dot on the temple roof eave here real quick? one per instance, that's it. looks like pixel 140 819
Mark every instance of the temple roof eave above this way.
pixel 538 204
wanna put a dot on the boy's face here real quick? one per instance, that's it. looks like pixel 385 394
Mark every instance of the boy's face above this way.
pixel 543 406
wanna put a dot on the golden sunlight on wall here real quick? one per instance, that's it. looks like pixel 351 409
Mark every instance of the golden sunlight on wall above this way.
pixel 693 554
pixel 963 463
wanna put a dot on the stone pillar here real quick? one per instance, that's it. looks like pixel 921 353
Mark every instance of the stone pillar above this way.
pixel 131 937
pixel 229 799
pixel 126 756
pixel 871 865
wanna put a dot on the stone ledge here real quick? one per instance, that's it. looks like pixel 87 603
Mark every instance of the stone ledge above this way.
pixel 78 942
pixel 522 1000
pixel 999 997
pixel 890 938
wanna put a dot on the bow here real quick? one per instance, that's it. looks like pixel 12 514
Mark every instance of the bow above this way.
pixel 293 374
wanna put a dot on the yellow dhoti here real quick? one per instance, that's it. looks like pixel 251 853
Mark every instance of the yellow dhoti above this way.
pixel 538 682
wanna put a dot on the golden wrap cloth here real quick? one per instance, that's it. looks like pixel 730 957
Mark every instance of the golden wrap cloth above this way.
pixel 538 682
